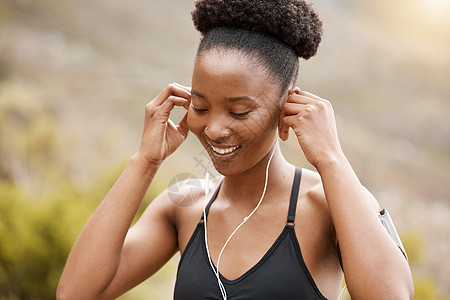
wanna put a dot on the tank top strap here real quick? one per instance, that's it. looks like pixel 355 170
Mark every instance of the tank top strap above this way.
pixel 214 196
pixel 294 195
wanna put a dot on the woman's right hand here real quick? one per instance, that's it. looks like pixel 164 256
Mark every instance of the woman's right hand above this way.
pixel 115 256
pixel 161 137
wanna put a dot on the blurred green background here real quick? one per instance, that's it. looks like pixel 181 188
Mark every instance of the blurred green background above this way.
pixel 75 77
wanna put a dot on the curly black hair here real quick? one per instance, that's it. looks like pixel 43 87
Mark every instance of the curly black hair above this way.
pixel 275 32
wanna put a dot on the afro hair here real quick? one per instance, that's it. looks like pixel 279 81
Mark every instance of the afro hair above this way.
pixel 294 22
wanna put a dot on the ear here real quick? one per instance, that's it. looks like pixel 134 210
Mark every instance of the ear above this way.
pixel 295 90
pixel 281 134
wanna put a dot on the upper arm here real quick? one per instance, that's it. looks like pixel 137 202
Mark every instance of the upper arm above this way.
pixel 149 244
pixel 372 200
pixel 316 192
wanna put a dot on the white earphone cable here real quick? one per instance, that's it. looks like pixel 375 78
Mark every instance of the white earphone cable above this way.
pixel 342 292
pixel 216 270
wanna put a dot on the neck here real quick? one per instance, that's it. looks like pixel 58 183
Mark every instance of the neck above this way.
pixel 247 187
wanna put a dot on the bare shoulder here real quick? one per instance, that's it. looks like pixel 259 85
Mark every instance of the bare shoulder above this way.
pixel 189 194
pixel 182 205
pixel 312 189
pixel 315 229
pixel 314 212
pixel 183 195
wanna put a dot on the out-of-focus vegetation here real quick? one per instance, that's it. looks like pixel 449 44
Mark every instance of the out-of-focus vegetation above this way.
pixel 75 76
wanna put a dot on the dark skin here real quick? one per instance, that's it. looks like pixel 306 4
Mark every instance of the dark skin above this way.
pixel 231 110
pixel 213 82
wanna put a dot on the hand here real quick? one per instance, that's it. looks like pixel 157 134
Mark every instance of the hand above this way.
pixel 161 136
pixel 312 120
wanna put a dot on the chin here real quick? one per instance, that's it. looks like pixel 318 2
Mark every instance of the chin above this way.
pixel 235 166
pixel 226 170
pixel 227 167
pixel 228 164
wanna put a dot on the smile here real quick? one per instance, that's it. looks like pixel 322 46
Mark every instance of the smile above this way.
pixel 223 150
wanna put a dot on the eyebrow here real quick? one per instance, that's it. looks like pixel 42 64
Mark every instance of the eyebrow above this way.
pixel 229 99
pixel 240 98
pixel 197 93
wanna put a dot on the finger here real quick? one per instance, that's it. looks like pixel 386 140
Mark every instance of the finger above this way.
pixel 283 132
pixel 300 99
pixel 169 90
pixel 304 97
pixel 290 108
pixel 312 96
pixel 165 109
pixel 292 121
pixel 172 101
pixel 182 126
pixel 283 129
pixel 186 88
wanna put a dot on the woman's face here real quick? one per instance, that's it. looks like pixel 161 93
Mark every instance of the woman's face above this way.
pixel 234 110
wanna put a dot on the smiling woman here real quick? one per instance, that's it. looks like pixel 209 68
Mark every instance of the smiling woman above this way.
pixel 277 231
pixel 233 113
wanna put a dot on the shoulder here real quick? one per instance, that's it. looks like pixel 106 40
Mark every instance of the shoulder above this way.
pixel 183 201
pixel 185 193
pixel 312 205
pixel 314 224
pixel 311 188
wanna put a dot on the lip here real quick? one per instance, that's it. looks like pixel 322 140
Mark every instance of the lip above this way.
pixel 223 152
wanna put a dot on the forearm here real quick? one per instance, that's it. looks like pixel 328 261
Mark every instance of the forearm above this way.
pixel 373 265
pixel 95 256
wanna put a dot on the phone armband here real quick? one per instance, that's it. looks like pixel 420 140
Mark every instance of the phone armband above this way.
pixel 386 220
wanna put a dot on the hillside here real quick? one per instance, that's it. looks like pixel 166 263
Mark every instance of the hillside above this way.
pixel 76 75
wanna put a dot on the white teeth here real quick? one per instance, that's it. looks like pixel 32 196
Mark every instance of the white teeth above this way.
pixel 224 150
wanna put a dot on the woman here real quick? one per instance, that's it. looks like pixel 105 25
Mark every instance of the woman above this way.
pixel 271 230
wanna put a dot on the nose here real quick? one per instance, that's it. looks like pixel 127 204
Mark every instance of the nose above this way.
pixel 218 129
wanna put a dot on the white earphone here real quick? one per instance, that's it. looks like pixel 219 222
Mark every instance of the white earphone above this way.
pixel 216 270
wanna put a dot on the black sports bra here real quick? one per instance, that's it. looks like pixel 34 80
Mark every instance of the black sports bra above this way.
pixel 280 274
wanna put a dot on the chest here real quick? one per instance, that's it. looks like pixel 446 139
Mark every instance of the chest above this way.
pixel 280 274
pixel 255 238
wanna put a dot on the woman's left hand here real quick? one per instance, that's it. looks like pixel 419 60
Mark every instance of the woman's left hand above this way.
pixel 312 120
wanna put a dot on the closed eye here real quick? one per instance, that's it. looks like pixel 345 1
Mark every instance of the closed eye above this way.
pixel 239 115
pixel 199 110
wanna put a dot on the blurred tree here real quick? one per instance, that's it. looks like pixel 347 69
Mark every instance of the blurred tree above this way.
pixel 89 52
pixel 424 288
pixel 35 235
pixel 28 135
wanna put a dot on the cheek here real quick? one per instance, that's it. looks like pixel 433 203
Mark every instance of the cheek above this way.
pixel 266 120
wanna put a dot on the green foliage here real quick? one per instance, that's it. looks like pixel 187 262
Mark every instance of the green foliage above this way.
pixel 60 60
pixel 424 288
pixel 29 141
pixel 413 243
pixel 41 210
pixel 35 237
pixel 38 231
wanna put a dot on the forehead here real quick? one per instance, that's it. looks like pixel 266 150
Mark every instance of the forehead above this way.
pixel 230 73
